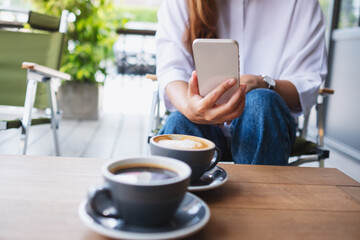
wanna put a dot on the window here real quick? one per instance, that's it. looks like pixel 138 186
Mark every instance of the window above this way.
pixel 325 6
pixel 349 14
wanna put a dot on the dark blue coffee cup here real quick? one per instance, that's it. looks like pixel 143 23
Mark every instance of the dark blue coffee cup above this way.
pixel 199 153
pixel 141 197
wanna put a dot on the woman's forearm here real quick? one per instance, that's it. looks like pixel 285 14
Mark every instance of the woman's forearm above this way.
pixel 284 88
pixel 177 94
pixel 289 93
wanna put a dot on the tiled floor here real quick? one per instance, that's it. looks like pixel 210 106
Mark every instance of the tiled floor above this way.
pixel 121 130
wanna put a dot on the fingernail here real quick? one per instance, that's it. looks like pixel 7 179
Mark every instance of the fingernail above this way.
pixel 232 81
pixel 243 87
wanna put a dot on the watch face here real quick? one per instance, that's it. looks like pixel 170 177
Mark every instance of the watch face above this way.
pixel 270 81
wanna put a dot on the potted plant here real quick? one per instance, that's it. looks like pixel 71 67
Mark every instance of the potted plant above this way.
pixel 90 37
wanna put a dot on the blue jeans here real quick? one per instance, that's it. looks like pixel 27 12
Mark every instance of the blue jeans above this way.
pixel 263 134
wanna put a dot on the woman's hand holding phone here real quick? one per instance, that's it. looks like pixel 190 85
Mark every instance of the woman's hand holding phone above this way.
pixel 215 97
pixel 204 110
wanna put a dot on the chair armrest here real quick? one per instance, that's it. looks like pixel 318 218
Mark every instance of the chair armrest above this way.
pixel 11 24
pixel 151 77
pixel 324 91
pixel 143 32
pixel 46 71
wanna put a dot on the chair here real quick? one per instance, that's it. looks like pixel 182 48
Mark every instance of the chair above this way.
pixel 303 151
pixel 135 62
pixel 307 151
pixel 38 51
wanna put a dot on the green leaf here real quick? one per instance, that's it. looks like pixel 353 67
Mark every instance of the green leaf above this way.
pixel 93 33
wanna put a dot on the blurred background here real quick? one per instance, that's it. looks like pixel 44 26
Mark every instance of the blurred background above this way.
pixel 110 45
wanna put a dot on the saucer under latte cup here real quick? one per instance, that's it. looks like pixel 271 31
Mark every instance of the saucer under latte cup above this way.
pixel 144 191
pixel 199 153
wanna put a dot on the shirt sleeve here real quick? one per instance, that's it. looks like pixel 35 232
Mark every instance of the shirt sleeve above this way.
pixel 304 55
pixel 173 61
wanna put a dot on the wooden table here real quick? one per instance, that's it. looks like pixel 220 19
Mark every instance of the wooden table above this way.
pixel 39 199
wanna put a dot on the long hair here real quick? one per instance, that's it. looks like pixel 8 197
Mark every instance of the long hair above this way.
pixel 203 16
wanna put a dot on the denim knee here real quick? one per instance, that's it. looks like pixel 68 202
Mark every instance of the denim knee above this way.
pixel 176 123
pixel 265 132
pixel 263 101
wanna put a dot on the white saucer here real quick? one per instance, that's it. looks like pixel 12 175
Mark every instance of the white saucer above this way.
pixel 210 180
pixel 191 216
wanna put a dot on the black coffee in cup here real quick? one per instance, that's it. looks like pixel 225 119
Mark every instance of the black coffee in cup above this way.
pixel 143 173
pixel 143 191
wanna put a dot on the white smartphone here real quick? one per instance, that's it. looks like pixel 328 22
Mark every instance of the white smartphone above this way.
pixel 216 60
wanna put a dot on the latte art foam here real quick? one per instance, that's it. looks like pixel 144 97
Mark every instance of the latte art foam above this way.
pixel 183 144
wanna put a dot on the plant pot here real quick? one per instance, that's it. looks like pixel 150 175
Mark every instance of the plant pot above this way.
pixel 80 100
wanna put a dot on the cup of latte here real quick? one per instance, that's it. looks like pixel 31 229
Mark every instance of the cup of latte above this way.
pixel 143 191
pixel 199 153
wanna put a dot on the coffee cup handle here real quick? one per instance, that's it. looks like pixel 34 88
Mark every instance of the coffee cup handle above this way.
pixel 216 158
pixel 100 201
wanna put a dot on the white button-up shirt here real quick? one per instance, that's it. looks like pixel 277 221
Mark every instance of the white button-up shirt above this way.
pixel 284 39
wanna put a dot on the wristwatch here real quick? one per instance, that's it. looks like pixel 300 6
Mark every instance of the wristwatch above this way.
pixel 270 81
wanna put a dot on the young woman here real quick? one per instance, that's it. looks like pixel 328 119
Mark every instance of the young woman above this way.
pixel 282 64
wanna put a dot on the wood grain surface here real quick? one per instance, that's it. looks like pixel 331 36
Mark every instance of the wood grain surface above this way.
pixel 40 196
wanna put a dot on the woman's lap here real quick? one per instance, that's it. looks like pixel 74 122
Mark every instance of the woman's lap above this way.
pixel 263 134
